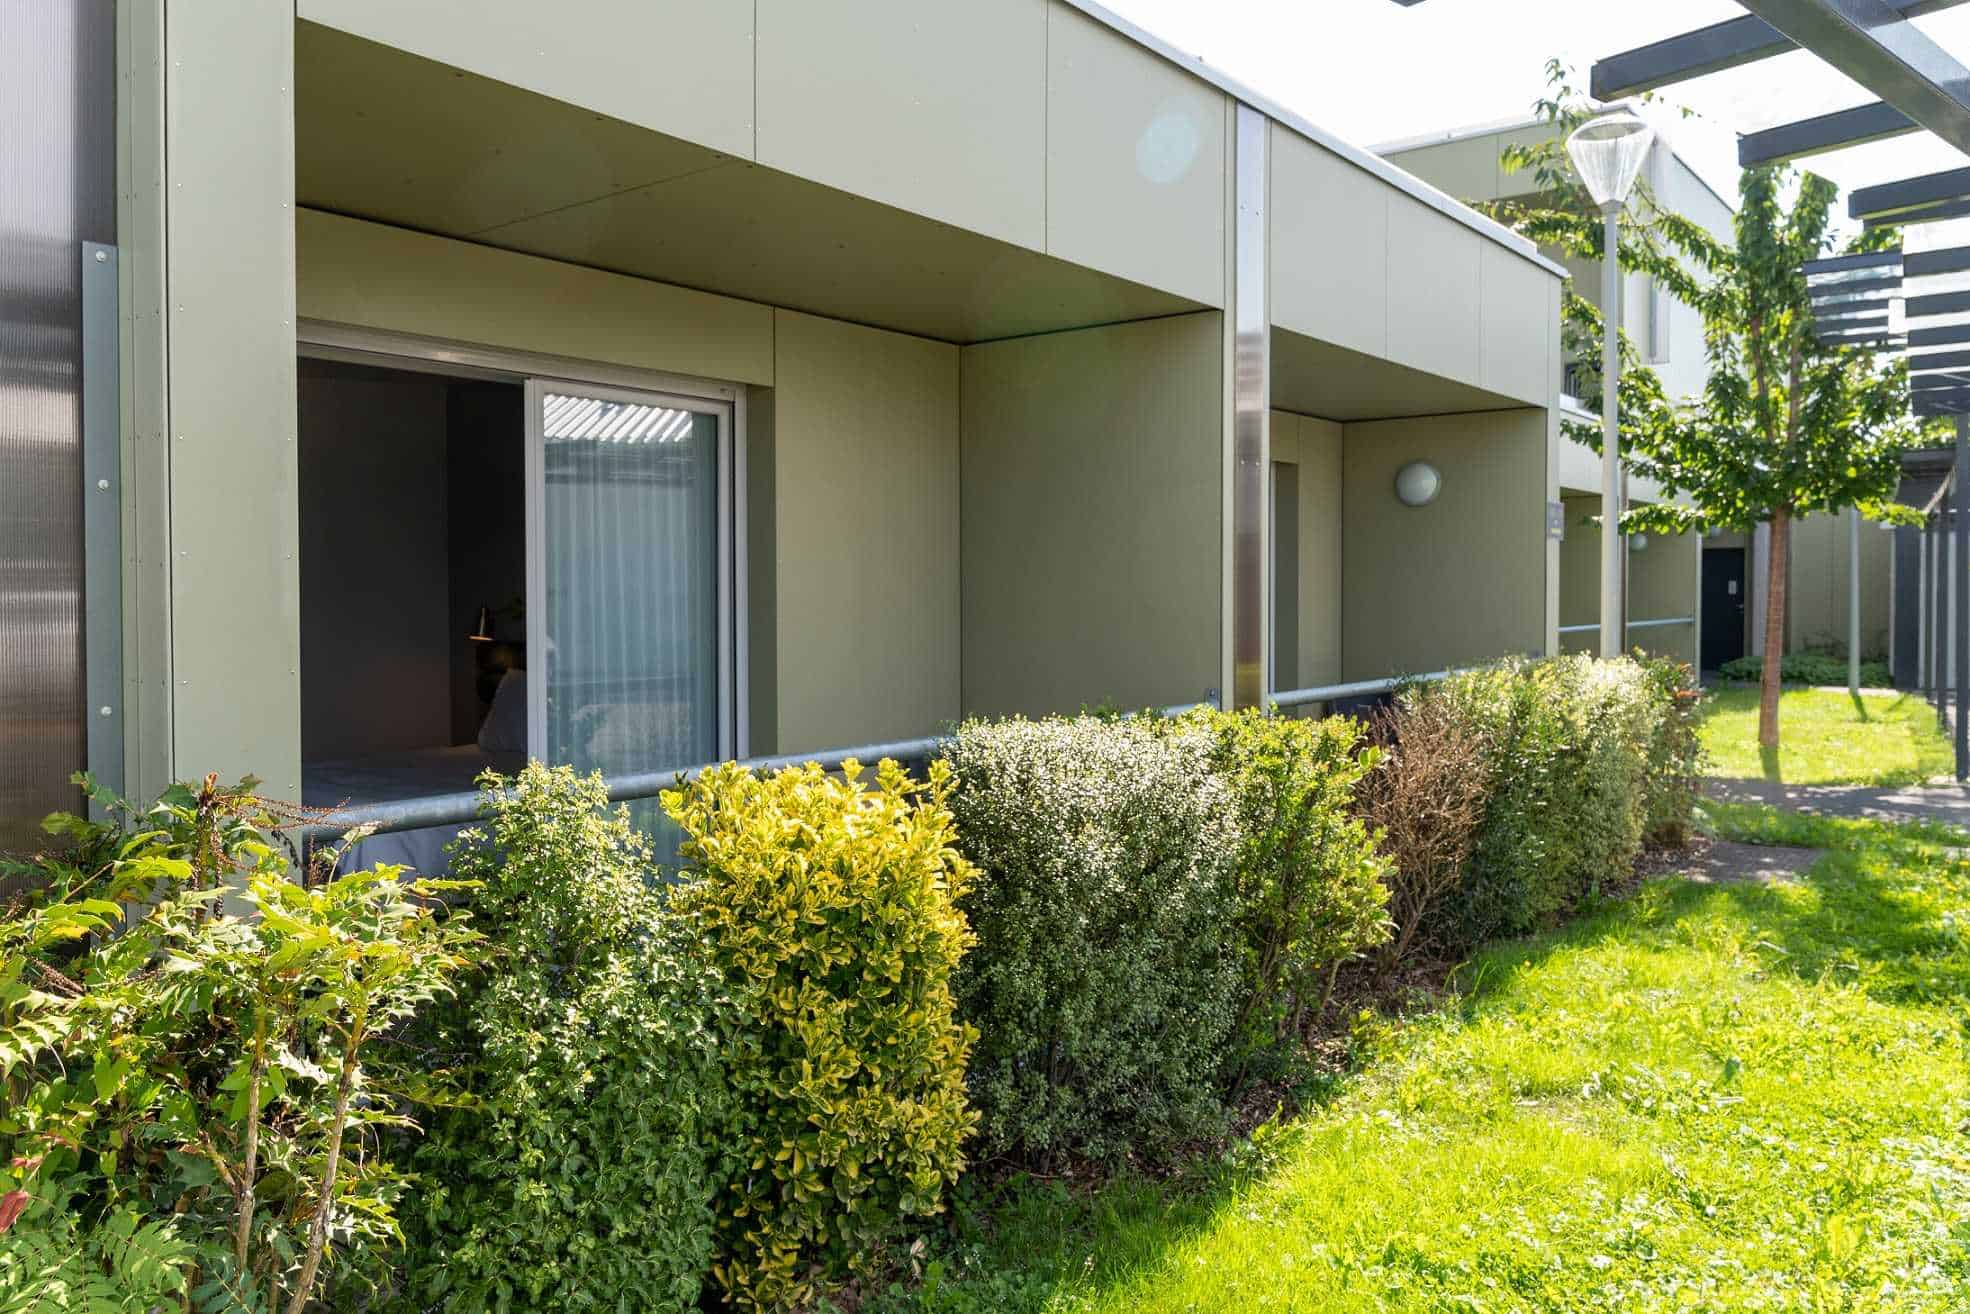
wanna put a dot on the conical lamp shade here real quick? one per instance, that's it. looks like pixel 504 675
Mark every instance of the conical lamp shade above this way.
pixel 1608 152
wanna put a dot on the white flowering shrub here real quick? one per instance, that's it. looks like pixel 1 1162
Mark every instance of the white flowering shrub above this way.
pixel 1104 982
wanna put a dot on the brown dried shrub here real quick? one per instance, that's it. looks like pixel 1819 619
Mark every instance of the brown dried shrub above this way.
pixel 1427 798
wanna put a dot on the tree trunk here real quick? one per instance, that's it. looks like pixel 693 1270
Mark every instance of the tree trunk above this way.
pixel 1775 577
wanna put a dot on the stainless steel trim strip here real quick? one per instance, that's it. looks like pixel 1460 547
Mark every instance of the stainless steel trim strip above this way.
pixel 1251 410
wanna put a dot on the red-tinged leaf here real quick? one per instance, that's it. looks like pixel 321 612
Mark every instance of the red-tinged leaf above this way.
pixel 11 1205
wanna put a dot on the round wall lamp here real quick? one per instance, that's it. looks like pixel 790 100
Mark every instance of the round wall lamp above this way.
pixel 1638 542
pixel 1418 483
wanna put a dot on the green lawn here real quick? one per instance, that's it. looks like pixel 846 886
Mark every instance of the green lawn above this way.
pixel 1825 739
pixel 1704 1097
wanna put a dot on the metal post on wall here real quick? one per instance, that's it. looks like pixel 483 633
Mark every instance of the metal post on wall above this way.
pixel 1939 605
pixel 102 518
pixel 1960 612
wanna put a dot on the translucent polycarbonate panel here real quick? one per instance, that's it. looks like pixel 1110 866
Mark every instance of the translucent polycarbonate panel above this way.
pixel 630 624
pixel 57 190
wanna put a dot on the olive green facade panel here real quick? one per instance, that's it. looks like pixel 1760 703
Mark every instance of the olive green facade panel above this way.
pixel 375 276
pixel 484 153
pixel 1092 517
pixel 1135 181
pixel 1462 579
pixel 1314 446
pixel 144 362
pixel 1816 598
pixel 1329 250
pixel 1519 316
pixel 1662 585
pixel 865 510
pixel 1435 292
pixel 934 106
pixel 682 67
pixel 229 326
pixel 1580 572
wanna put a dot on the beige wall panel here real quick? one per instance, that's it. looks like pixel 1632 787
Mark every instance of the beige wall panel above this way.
pixel 762 575
pixel 1434 292
pixel 865 434
pixel 682 67
pixel 1459 580
pixel 235 586
pixel 375 276
pixel 1519 314
pixel 1662 585
pixel 1135 161
pixel 1329 246
pixel 1816 598
pixel 1322 563
pixel 934 106
pixel 1580 573
pixel 1092 517
pixel 1466 169
pixel 144 363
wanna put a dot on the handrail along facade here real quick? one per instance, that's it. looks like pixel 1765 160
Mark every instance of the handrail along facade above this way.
pixel 457 808
pixel 1633 624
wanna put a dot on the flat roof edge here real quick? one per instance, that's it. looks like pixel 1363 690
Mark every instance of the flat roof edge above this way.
pixel 1402 181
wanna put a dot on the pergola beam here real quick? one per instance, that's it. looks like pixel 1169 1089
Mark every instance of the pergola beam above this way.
pixel 1888 202
pixel 1710 49
pixel 1826 132
pixel 1872 42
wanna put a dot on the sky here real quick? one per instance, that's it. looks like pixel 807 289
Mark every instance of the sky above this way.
pixel 1373 71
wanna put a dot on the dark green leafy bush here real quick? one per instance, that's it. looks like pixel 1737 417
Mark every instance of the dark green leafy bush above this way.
pixel 1307 889
pixel 1817 668
pixel 829 911
pixel 1104 986
pixel 578 1167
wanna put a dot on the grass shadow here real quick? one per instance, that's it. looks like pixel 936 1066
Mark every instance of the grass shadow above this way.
pixel 1860 706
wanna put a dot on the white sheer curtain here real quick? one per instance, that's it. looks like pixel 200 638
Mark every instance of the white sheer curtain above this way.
pixel 630 614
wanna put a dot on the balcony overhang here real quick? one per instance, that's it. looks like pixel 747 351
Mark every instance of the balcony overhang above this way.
pixel 391 137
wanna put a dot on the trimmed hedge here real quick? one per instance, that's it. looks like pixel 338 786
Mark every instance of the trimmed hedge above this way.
pixel 1076 942
pixel 1308 889
pixel 1582 768
pixel 1815 668
pixel 1103 986
pixel 828 911
pixel 578 1172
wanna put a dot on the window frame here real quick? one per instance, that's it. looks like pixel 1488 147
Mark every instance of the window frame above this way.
pixel 537 372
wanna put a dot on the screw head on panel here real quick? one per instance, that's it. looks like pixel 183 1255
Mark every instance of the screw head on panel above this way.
pixel 102 711
pixel 102 257
pixel 103 484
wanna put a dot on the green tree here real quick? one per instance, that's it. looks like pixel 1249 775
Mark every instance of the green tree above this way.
pixel 1786 425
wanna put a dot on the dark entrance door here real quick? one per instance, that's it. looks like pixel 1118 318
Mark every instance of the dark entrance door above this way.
pixel 1723 606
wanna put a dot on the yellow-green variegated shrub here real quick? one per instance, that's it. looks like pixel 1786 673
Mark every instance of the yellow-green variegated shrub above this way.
pixel 829 909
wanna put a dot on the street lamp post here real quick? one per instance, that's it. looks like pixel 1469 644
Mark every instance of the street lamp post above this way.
pixel 1608 152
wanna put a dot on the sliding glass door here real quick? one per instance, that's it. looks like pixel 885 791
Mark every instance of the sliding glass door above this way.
pixel 628 620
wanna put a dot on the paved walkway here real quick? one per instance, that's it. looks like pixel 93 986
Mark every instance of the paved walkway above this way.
pixel 1948 803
